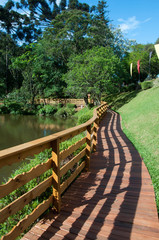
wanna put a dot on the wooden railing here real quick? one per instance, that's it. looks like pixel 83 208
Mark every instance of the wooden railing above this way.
pixel 20 152
pixel 61 100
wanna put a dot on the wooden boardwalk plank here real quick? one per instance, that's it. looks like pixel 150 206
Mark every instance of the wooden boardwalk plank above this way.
pixel 115 200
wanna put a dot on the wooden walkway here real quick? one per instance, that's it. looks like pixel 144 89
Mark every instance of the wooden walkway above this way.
pixel 115 200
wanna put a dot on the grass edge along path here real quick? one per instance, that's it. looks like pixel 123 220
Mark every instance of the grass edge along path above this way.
pixel 140 118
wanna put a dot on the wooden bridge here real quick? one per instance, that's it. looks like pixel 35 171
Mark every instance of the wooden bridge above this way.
pixel 112 199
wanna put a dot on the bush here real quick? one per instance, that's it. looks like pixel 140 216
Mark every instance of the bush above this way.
pixel 90 105
pixel 47 110
pixel 129 88
pixel 84 118
pixel 146 84
pixel 71 105
pixel 15 108
pixel 65 112
pixel 60 105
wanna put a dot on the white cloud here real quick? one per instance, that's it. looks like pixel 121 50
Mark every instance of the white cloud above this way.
pixel 147 20
pixel 131 23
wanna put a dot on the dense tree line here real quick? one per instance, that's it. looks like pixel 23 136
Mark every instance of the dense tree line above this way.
pixel 70 49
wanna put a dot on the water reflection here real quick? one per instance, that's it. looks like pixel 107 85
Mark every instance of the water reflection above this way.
pixel 18 129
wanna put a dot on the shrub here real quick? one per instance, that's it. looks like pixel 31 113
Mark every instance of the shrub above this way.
pixel 47 110
pixel 60 105
pixel 4 109
pixel 11 107
pixel 146 84
pixel 65 112
pixel 84 118
pixel 90 105
pixel 71 105
pixel 15 108
pixel 129 88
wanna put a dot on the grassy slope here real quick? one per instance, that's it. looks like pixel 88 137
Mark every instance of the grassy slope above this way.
pixel 140 122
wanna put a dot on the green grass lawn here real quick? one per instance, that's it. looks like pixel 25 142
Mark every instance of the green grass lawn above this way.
pixel 140 122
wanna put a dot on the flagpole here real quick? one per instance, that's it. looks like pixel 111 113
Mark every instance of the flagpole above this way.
pixel 138 68
pixel 150 63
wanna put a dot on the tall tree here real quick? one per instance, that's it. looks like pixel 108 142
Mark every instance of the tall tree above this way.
pixel 18 25
pixel 92 72
pixel 8 49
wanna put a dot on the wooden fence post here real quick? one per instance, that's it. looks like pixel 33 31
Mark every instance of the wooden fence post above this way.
pixel 56 175
pixel 96 125
pixel 88 148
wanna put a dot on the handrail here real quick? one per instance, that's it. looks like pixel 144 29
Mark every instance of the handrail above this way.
pixel 20 152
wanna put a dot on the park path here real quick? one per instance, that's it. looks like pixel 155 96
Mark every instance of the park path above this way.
pixel 115 200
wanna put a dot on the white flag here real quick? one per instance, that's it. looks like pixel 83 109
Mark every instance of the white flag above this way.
pixel 131 65
pixel 157 50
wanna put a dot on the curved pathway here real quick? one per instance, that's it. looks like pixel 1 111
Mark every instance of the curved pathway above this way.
pixel 115 200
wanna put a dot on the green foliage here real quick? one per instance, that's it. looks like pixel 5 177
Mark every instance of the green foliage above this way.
pixel 47 110
pixel 60 105
pixel 92 72
pixel 116 101
pixel 65 112
pixel 84 118
pixel 4 109
pixel 128 88
pixel 84 115
pixel 148 67
pixel 146 85
pixel 25 167
pixel 11 107
pixel 71 105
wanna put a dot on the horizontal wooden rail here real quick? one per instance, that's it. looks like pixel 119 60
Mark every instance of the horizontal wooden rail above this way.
pixel 28 220
pixel 64 154
pixel 19 203
pixel 71 178
pixel 63 169
pixel 23 178
pixel 72 162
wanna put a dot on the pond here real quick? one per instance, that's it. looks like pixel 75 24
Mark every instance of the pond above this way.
pixel 18 129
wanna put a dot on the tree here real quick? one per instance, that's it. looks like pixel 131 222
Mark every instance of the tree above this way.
pixel 8 49
pixel 74 31
pixel 92 72
pixel 16 24
pixel 149 66
pixel 42 73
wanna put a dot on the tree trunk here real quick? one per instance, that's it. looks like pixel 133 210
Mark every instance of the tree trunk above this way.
pixel 86 100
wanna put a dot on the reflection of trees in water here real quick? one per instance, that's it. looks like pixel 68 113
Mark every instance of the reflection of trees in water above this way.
pixel 18 129
pixel 2 120
pixel 15 130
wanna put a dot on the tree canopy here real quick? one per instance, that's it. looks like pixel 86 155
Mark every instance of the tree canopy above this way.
pixel 92 72
pixel 67 49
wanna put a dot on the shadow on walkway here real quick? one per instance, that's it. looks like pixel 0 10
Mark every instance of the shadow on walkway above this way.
pixel 102 203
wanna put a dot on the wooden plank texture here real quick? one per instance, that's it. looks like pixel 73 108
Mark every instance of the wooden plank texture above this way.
pixel 114 201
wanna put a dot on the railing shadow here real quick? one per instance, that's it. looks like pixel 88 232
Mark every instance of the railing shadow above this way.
pixel 97 205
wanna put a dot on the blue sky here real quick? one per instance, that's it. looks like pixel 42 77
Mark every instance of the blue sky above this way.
pixel 138 19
